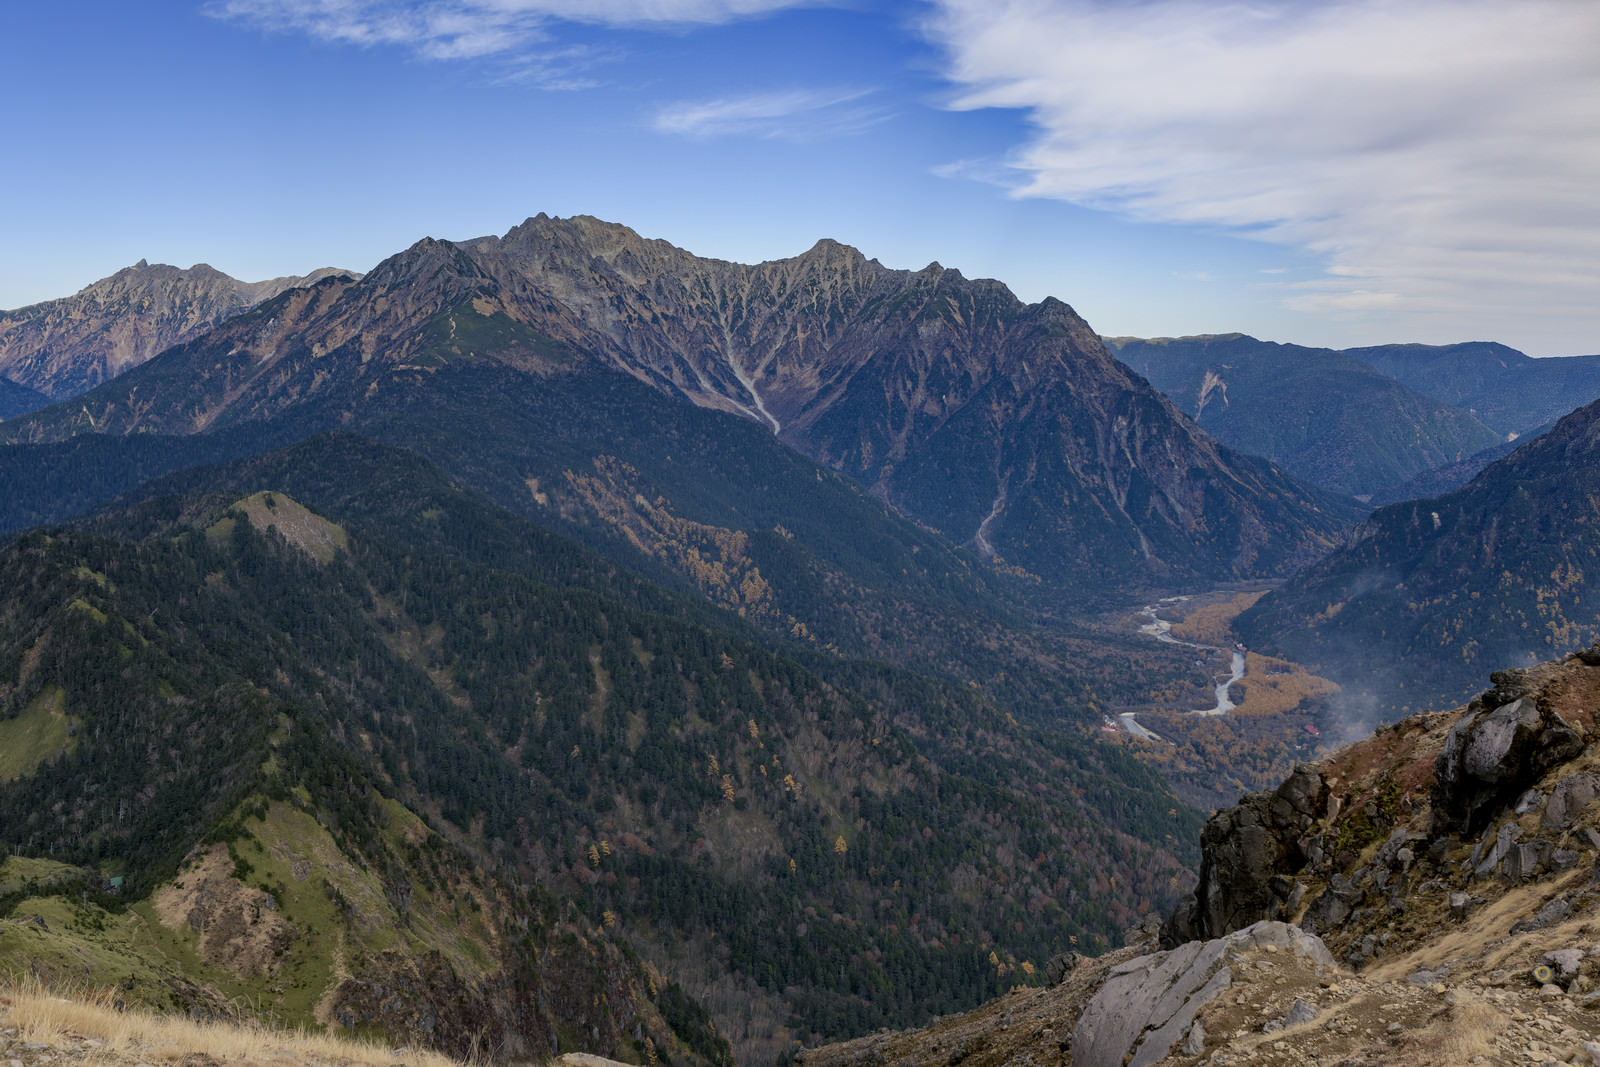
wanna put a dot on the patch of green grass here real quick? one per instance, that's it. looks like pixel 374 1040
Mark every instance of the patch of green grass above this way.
pixel 80 604
pixel 42 731
pixel 93 576
pixel 304 529
pixel 465 332
pixel 221 531
pixel 17 871
pixel 85 946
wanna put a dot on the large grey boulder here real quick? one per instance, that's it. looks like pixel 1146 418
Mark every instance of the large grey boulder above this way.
pixel 1490 757
pixel 1148 1004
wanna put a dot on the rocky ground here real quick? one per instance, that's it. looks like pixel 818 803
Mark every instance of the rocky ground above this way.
pixel 1442 880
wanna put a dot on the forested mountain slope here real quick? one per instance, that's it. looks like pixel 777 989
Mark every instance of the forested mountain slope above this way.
pixel 825 846
pixel 1324 415
pixel 1431 594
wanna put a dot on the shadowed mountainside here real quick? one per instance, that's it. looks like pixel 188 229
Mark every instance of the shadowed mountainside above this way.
pixel 378 684
pixel 1430 594
pixel 1325 416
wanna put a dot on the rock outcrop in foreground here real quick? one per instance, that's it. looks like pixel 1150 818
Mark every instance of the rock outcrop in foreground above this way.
pixel 1442 879
pixel 1150 1003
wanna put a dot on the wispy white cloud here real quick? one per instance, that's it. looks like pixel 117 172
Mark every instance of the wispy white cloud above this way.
pixel 466 29
pixel 798 115
pixel 558 69
pixel 1443 155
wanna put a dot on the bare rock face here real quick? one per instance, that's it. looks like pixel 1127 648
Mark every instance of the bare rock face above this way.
pixel 1492 756
pixel 1007 426
pixel 1567 801
pixel 64 347
pixel 1246 851
pixel 1421 824
pixel 1147 1004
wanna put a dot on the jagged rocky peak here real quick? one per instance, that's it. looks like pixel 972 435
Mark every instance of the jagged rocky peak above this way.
pixel 543 240
pixel 428 264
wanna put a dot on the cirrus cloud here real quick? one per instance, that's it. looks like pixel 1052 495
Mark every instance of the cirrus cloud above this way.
pixel 1443 155
pixel 466 29
pixel 797 115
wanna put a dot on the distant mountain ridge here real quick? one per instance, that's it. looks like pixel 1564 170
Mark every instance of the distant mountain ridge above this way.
pixel 1324 415
pixel 1384 423
pixel 1510 391
pixel 63 347
pixel 1008 427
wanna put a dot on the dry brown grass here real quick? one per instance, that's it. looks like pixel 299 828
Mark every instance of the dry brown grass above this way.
pixel 1273 686
pixel 1212 624
pixel 1459 1035
pixel 64 1019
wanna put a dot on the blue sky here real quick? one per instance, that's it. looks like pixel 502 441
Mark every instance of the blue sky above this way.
pixel 1338 172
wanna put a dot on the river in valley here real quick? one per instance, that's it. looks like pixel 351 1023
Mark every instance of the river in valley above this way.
pixel 1161 630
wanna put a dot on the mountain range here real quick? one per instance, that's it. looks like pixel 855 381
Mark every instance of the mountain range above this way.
pixel 1387 423
pixel 660 656
pixel 1008 428
pixel 371 677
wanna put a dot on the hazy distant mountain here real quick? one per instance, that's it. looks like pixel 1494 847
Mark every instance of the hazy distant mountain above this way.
pixel 1005 426
pixel 1452 476
pixel 1432 594
pixel 1323 415
pixel 1509 391
pixel 62 347
pixel 19 399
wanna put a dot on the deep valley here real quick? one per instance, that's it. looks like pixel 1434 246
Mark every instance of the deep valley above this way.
pixel 561 643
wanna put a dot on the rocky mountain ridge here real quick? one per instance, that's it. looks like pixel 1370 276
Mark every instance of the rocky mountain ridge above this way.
pixel 1009 428
pixel 61 348
pixel 1441 877
pixel 1509 390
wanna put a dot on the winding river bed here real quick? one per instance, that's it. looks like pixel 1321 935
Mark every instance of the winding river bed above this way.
pixel 1161 630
